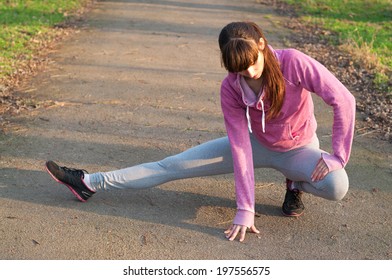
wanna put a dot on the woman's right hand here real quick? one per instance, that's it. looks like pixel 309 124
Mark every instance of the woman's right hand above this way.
pixel 233 230
pixel 320 171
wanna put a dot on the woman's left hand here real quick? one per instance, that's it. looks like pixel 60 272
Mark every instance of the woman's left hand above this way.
pixel 232 232
pixel 320 171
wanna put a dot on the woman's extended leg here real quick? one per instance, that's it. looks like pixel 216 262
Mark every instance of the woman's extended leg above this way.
pixel 209 158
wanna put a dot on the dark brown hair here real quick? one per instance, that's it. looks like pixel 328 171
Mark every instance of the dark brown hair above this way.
pixel 238 43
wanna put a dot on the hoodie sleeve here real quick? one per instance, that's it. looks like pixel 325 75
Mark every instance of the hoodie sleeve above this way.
pixel 314 77
pixel 237 131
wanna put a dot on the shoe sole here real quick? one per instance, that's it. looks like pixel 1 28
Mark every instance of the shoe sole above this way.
pixel 68 186
pixel 293 215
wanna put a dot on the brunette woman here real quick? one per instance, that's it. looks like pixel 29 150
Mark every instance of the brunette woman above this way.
pixel 268 113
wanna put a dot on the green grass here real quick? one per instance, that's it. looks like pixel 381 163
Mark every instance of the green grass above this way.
pixel 24 22
pixel 363 25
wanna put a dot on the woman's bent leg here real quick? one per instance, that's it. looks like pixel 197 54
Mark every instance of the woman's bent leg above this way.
pixel 298 166
pixel 210 158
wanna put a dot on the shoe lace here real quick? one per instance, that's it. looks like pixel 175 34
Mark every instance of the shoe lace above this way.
pixel 74 172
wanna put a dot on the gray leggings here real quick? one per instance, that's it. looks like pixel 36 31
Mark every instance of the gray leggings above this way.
pixel 214 158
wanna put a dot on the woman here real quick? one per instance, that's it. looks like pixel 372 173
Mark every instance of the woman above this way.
pixel 268 114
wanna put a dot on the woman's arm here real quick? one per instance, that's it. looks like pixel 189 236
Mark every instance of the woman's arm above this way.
pixel 314 77
pixel 237 131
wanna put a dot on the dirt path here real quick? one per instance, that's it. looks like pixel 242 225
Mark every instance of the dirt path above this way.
pixel 140 81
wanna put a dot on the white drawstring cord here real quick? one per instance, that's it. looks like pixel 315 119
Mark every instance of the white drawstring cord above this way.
pixel 262 116
pixel 248 117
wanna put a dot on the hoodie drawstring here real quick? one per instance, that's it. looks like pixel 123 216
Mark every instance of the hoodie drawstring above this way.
pixel 262 117
pixel 247 116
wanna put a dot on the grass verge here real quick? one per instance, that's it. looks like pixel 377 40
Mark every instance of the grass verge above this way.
pixel 362 27
pixel 26 27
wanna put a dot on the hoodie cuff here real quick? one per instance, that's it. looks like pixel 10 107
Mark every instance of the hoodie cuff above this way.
pixel 333 162
pixel 244 218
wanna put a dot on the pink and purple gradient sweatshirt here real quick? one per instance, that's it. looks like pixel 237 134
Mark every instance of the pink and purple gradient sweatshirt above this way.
pixel 294 127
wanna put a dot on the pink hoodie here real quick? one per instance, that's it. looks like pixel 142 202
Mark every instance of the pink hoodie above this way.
pixel 294 127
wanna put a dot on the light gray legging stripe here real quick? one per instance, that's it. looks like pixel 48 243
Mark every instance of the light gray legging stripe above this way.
pixel 214 158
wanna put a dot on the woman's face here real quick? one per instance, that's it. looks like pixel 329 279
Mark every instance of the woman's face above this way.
pixel 256 70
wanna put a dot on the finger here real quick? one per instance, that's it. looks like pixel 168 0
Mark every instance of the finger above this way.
pixel 316 174
pixel 254 229
pixel 227 231
pixel 234 233
pixel 320 170
pixel 323 174
pixel 243 233
pixel 323 170
pixel 316 169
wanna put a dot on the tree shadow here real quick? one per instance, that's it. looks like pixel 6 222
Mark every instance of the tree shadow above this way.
pixel 179 209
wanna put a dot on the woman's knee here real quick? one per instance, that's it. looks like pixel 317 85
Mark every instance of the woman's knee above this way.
pixel 336 185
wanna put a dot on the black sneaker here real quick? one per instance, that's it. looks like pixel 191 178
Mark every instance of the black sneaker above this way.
pixel 292 205
pixel 72 178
